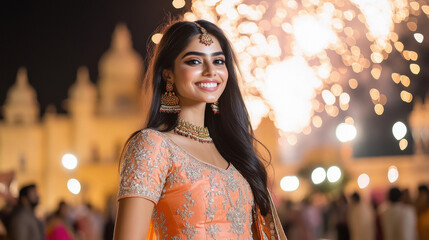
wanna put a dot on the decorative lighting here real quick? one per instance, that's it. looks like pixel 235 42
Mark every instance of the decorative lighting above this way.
pixel 363 181
pixel 291 95
pixel 392 174
pixel 399 130
pixel 415 68
pixel 379 109
pixel 403 144
pixel 69 161
pixel 289 183
pixel 419 37
pixel 178 4
pixel 156 38
pixel 74 186
pixel 287 71
pixel 318 175
pixel 346 132
pixel 334 174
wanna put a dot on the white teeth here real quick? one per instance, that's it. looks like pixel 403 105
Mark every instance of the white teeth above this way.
pixel 207 85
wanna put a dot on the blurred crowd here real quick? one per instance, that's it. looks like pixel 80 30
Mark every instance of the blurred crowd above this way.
pixel 19 220
pixel 397 217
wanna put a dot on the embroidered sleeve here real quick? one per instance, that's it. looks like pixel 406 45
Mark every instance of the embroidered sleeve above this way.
pixel 145 167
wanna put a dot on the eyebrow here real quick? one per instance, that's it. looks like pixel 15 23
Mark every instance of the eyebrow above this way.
pixel 203 54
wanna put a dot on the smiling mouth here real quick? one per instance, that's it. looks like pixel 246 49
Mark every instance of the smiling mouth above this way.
pixel 208 86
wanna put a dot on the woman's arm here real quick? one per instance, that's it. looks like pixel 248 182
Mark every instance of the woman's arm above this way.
pixel 133 218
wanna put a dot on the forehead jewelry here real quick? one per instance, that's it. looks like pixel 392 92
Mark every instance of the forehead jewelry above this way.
pixel 204 36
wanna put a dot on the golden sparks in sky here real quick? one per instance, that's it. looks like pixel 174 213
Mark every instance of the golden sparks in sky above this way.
pixel 300 59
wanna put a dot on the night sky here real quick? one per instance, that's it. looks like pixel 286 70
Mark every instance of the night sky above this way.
pixel 53 38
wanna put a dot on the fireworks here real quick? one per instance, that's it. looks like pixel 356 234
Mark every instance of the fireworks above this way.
pixel 300 58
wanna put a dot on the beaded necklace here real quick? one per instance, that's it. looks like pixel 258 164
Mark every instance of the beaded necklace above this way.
pixel 192 131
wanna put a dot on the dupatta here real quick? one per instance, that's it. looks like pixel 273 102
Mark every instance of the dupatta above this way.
pixel 267 227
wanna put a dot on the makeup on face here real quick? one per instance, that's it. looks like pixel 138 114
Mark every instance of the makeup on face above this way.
pixel 209 84
pixel 200 72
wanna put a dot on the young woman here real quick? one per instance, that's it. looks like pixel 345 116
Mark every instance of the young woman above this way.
pixel 193 172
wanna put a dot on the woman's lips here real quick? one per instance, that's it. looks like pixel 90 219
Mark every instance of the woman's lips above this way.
pixel 208 86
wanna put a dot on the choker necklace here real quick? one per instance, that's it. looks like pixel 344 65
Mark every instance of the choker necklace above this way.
pixel 192 131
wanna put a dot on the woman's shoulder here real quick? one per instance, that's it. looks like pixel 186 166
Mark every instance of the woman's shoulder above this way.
pixel 149 135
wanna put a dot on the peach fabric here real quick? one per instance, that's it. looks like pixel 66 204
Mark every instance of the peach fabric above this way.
pixel 193 199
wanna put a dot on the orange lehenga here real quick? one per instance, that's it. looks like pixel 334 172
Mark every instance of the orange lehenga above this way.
pixel 193 199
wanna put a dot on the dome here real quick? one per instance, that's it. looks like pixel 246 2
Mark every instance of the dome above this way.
pixel 21 104
pixel 121 63
pixel 120 71
pixel 21 93
pixel 83 90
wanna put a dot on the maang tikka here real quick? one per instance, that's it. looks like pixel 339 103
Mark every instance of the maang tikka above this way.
pixel 169 100
pixel 204 36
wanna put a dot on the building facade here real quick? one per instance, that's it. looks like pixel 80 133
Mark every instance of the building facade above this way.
pixel 100 118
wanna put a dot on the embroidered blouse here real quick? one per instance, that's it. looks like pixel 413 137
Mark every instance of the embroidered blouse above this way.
pixel 193 199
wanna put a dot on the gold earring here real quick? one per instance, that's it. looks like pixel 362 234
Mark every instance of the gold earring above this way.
pixel 169 100
pixel 215 107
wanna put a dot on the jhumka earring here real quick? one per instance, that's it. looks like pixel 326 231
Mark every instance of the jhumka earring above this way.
pixel 169 100
pixel 215 107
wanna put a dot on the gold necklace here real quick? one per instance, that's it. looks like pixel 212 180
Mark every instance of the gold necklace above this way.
pixel 192 131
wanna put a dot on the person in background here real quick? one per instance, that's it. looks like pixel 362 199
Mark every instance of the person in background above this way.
pixel 313 217
pixel 410 216
pixel 360 219
pixel 422 199
pixel 24 225
pixel 339 217
pixel 58 226
pixel 422 207
pixel 378 229
pixel 89 223
pixel 392 216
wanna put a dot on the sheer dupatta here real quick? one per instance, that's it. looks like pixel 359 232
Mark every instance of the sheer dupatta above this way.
pixel 267 227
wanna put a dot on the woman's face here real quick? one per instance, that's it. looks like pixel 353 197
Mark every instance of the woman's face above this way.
pixel 200 73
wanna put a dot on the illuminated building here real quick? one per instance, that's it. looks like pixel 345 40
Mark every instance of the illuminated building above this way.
pixel 99 120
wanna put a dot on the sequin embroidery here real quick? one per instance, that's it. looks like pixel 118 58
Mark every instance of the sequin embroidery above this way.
pixel 193 199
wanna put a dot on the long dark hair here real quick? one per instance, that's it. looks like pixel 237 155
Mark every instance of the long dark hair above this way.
pixel 230 130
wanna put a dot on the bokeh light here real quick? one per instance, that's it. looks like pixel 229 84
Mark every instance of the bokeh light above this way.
pixel 69 161
pixel 296 78
pixel 156 38
pixel 399 130
pixel 403 144
pixel 289 183
pixel 419 37
pixel 334 174
pixel 178 3
pixel 346 132
pixel 363 181
pixel 318 175
pixel 74 186
pixel 392 174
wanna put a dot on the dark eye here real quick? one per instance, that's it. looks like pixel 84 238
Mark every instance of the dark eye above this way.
pixel 193 62
pixel 219 62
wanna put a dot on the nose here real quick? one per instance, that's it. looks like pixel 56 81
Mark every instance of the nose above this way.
pixel 209 70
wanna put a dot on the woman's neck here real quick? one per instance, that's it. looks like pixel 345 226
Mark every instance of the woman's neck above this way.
pixel 193 113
